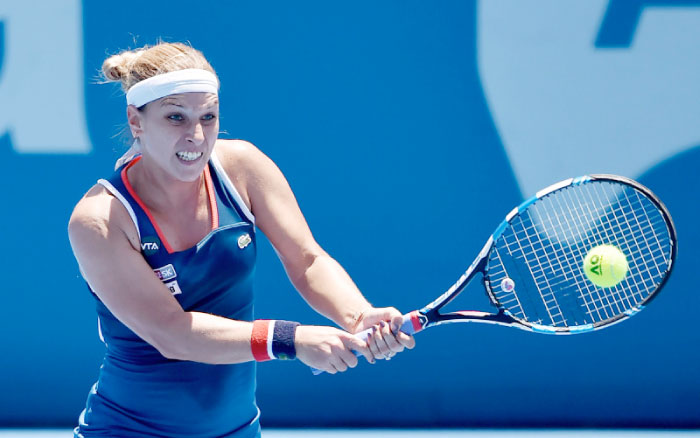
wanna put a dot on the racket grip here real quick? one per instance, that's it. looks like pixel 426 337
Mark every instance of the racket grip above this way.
pixel 409 325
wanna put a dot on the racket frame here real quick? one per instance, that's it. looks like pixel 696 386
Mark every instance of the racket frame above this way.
pixel 430 315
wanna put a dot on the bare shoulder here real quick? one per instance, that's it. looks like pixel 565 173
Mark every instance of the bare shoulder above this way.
pixel 239 155
pixel 99 215
pixel 250 170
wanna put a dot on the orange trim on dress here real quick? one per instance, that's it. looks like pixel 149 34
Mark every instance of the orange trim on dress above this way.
pixel 210 194
pixel 212 198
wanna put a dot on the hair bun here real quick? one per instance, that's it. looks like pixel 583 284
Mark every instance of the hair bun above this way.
pixel 117 68
pixel 131 66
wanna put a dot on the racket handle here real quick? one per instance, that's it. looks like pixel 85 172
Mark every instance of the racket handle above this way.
pixel 409 325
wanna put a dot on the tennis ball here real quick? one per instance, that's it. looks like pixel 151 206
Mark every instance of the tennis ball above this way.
pixel 605 265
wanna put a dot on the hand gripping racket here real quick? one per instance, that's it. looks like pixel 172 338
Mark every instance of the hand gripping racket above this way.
pixel 532 265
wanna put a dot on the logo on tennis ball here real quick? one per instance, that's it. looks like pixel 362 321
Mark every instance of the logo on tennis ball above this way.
pixel 605 265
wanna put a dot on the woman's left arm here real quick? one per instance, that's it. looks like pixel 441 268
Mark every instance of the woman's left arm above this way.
pixel 319 278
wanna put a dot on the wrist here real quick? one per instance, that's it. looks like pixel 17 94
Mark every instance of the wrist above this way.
pixel 273 339
pixel 357 317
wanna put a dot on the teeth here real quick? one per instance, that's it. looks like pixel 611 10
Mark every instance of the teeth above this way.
pixel 188 156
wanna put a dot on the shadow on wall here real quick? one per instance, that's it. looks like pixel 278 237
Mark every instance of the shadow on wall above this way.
pixel 676 183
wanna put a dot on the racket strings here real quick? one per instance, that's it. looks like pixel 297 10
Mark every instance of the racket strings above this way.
pixel 536 270
pixel 548 242
pixel 615 302
pixel 507 300
pixel 615 228
pixel 598 306
pixel 639 248
pixel 634 247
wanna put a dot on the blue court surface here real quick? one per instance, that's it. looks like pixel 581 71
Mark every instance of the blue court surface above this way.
pixel 410 433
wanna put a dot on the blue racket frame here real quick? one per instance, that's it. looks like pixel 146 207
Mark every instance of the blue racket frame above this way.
pixel 430 315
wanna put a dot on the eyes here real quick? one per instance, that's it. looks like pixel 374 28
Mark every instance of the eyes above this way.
pixel 178 118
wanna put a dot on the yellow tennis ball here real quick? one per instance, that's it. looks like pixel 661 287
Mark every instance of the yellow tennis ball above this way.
pixel 605 265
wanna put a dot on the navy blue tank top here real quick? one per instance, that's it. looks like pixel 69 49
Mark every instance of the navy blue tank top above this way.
pixel 141 393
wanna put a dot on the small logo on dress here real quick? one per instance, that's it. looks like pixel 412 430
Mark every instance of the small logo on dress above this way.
pixel 150 245
pixel 244 240
pixel 166 272
pixel 174 287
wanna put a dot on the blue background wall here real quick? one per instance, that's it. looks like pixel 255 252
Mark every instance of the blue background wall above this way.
pixel 407 130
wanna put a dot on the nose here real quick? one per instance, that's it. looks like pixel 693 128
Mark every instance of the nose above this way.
pixel 196 135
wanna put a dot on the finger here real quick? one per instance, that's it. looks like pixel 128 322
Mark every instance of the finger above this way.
pixel 381 342
pixel 359 346
pixel 378 314
pixel 348 358
pixel 390 339
pixel 338 363
pixel 396 323
pixel 372 343
pixel 407 341
pixel 394 313
pixel 330 369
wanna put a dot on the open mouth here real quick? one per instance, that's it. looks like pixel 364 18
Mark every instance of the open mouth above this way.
pixel 189 156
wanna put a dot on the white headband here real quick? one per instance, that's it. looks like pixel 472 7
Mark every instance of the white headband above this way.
pixel 191 80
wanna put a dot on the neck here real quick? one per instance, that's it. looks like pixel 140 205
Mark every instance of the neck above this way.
pixel 160 191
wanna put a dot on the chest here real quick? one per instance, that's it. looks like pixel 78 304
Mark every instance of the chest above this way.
pixel 214 275
pixel 184 226
pixel 205 254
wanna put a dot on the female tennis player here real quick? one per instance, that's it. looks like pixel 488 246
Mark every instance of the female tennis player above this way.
pixel 167 247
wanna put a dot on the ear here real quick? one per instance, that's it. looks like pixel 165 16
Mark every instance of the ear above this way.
pixel 133 116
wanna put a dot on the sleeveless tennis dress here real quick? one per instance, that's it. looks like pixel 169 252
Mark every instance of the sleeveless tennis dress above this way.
pixel 141 393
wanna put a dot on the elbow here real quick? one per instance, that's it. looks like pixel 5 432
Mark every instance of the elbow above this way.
pixel 171 354
pixel 170 339
pixel 170 349
pixel 298 270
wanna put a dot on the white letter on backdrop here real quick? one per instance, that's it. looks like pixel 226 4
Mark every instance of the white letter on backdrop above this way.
pixel 564 107
pixel 42 102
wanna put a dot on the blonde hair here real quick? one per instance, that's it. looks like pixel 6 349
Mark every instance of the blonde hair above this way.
pixel 132 66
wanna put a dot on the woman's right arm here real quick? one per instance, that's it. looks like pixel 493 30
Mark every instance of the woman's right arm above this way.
pixel 107 248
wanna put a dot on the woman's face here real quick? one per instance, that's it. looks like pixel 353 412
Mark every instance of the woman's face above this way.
pixel 178 133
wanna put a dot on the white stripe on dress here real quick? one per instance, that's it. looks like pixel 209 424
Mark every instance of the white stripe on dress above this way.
pixel 111 189
pixel 231 188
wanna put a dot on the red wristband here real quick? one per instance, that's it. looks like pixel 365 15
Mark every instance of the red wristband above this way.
pixel 261 340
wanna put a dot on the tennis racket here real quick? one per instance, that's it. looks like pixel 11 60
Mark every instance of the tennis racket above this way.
pixel 532 265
